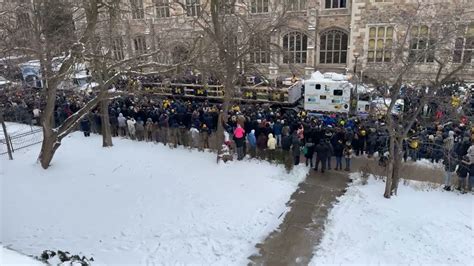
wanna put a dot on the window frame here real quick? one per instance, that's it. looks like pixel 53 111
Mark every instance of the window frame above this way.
pixel 260 52
pixel 259 6
pixel 139 45
pixel 332 4
pixel 299 56
pixel 193 8
pixel 118 49
pixel 341 51
pixel 424 39
pixel 137 9
pixel 162 9
pixel 467 46
pixel 386 47
pixel 301 5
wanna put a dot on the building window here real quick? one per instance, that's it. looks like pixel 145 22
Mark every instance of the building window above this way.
pixel 333 47
pixel 380 44
pixel 139 44
pixel 422 48
pixel 295 46
pixel 296 5
pixel 336 4
pixel 464 47
pixel 259 6
pixel 384 1
pixel 137 9
pixel 162 8
pixel 193 8
pixel 260 50
pixel 117 49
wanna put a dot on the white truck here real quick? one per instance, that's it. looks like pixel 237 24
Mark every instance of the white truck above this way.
pixel 329 92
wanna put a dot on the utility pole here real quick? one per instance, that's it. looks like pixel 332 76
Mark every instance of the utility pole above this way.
pixel 354 94
pixel 7 139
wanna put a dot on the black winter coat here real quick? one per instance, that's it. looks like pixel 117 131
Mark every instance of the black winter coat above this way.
pixel 322 150
pixel 338 149
pixel 286 143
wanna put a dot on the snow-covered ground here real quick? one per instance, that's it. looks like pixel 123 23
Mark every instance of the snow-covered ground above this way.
pixel 141 203
pixel 11 258
pixel 431 227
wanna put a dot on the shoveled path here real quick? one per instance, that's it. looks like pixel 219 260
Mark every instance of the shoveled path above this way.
pixel 303 225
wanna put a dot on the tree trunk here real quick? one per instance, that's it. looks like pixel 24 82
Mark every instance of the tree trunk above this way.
pixel 106 132
pixel 397 163
pixel 388 184
pixel 48 147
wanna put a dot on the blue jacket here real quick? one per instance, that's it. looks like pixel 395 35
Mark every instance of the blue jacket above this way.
pixel 252 140
pixel 277 127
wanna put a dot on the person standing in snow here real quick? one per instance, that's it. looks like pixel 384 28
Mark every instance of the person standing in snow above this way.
pixel 140 129
pixel 262 144
pixel 348 153
pixel 338 152
pixel 450 163
pixel 131 127
pixel 295 148
pixel 277 130
pixel 271 144
pixel 462 172
pixel 194 132
pixel 86 126
pixel 239 138
pixel 205 132
pixel 252 140
pixel 149 130
pixel 308 151
pixel 122 125
pixel 322 153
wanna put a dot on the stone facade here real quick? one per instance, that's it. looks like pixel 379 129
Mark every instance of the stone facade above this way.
pixel 334 35
pixel 312 21
pixel 352 19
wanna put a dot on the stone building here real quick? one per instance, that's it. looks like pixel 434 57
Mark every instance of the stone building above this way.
pixel 324 35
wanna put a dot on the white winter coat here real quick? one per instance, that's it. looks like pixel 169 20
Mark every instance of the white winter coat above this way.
pixel 271 143
pixel 131 126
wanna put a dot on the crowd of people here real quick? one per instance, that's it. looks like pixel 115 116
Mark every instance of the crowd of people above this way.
pixel 325 141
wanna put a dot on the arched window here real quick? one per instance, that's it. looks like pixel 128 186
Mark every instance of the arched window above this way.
pixel 295 45
pixel 333 47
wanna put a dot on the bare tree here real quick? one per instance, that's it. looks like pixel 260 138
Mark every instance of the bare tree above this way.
pixel 233 33
pixel 59 49
pixel 422 34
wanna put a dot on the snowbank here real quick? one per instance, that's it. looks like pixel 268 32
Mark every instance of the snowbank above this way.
pixel 141 203
pixel 416 227
pixel 10 257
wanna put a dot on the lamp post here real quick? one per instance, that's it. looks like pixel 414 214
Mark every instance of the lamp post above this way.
pixel 354 95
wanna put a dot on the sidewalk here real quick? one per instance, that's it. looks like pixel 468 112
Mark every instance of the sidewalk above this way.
pixel 303 226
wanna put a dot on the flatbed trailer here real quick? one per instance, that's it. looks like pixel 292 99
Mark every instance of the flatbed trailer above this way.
pixel 288 96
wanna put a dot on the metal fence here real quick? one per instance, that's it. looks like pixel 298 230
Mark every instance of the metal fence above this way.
pixel 21 140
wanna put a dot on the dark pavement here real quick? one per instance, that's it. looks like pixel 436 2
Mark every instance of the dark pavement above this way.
pixel 294 241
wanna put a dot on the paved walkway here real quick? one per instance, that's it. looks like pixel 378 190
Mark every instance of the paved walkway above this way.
pixel 303 226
